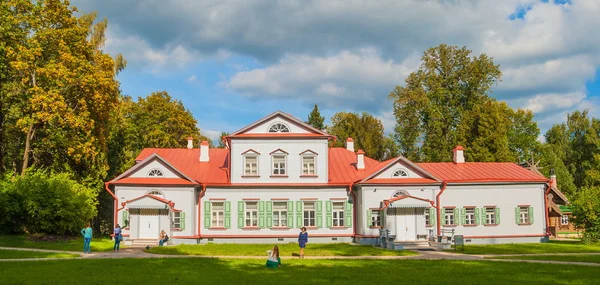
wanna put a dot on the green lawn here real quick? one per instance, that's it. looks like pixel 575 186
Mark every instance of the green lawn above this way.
pixel 289 249
pixel 98 244
pixel 10 254
pixel 252 271
pixel 532 248
pixel 593 258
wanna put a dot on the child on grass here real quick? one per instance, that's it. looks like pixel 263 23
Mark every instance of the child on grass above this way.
pixel 273 261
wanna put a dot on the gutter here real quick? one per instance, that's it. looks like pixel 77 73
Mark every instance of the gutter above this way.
pixel 548 188
pixel 437 201
pixel 200 208
pixel 116 205
pixel 353 209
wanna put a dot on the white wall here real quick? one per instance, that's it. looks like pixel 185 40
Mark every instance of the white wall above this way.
pixel 294 160
pixel 183 197
pixel 264 127
pixel 143 171
pixel 234 195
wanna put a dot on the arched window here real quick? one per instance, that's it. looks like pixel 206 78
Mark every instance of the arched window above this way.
pixel 155 173
pixel 155 193
pixel 400 173
pixel 400 193
pixel 279 128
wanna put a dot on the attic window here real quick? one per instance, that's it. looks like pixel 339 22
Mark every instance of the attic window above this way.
pixel 155 193
pixel 279 128
pixel 400 193
pixel 400 173
pixel 155 173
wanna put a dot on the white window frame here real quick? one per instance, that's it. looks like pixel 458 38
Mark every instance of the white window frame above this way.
pixel 524 216
pixel 155 172
pixel 249 172
pixel 449 217
pixel 375 218
pixel 280 214
pixel 306 168
pixel 309 215
pixel 338 214
pixel 283 128
pixel 427 217
pixel 490 217
pixel 217 217
pixel 564 220
pixel 469 217
pixel 177 220
pixel 251 215
pixel 399 173
pixel 156 193
pixel 273 168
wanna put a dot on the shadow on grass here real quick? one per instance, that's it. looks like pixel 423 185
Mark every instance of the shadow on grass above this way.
pixel 72 244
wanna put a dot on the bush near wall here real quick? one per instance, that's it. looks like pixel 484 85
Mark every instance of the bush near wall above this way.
pixel 586 213
pixel 45 203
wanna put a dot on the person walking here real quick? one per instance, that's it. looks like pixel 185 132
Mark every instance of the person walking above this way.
pixel 302 241
pixel 87 238
pixel 118 234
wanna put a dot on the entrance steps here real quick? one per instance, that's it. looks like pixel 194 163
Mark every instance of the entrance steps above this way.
pixel 141 243
pixel 412 245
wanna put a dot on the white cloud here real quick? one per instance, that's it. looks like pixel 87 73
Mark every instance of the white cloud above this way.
pixel 192 78
pixel 550 102
pixel 214 136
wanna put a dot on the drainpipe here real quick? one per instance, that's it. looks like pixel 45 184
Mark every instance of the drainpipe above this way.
pixel 200 208
pixel 116 203
pixel 437 201
pixel 548 188
pixel 353 210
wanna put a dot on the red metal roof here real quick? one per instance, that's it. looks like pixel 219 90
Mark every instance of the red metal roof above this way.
pixel 154 181
pixel 400 181
pixel 280 135
pixel 342 166
pixel 481 172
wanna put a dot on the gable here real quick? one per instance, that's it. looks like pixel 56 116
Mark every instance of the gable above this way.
pixel 154 165
pixel 279 121
pixel 264 127
pixel 400 167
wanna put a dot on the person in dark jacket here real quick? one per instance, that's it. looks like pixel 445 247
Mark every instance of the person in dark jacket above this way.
pixel 302 241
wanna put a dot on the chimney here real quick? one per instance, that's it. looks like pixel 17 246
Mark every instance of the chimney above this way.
pixel 350 144
pixel 360 159
pixel 190 143
pixel 553 182
pixel 458 156
pixel 204 152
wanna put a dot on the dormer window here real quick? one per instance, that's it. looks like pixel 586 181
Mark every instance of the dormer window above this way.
pixel 251 162
pixel 155 173
pixel 400 173
pixel 279 128
pixel 279 158
pixel 309 162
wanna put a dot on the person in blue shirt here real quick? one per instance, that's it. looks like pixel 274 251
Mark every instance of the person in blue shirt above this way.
pixel 118 237
pixel 302 240
pixel 87 238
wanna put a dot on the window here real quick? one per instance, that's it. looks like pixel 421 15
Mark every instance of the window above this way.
pixel 279 128
pixel 155 173
pixel 280 214
pixel 524 215
pixel 251 165
pixel 469 216
pixel 155 193
pixel 177 220
pixel 490 215
pixel 400 173
pixel 400 193
pixel 309 214
pixel 279 165
pixel 338 214
pixel 308 165
pixel 564 220
pixel 217 211
pixel 449 216
pixel 428 217
pixel 375 218
pixel 251 214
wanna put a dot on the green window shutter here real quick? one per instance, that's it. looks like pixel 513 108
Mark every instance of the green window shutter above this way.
pixel 290 214
pixel 269 214
pixel 478 217
pixel 531 215
pixel 182 220
pixel 517 220
pixel 319 214
pixel 348 214
pixel 227 215
pixel 497 215
pixel 125 221
pixel 261 214
pixel 206 214
pixel 240 214
pixel 463 216
pixel 328 214
pixel 456 216
pixel 299 217
pixel 369 218
pixel 432 216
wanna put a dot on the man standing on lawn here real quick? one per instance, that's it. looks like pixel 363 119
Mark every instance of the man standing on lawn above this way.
pixel 87 238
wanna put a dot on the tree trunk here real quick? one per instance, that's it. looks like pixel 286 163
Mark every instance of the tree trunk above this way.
pixel 28 138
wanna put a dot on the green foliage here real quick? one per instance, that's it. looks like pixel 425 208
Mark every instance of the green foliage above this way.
pixel 586 212
pixel 48 203
pixel 366 130
pixel 221 142
pixel 549 159
pixel 315 119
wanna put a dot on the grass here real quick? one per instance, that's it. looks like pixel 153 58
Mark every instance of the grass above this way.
pixel 592 258
pixel 289 249
pixel 21 241
pixel 252 271
pixel 532 248
pixel 11 254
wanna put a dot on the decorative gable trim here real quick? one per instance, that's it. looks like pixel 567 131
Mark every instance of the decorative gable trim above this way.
pixel 308 152
pixel 149 159
pixel 406 162
pixel 250 151
pixel 279 151
pixel 288 117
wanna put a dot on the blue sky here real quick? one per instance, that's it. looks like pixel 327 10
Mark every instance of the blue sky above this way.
pixel 233 62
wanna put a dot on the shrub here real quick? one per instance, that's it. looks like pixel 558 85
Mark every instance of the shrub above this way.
pixel 586 213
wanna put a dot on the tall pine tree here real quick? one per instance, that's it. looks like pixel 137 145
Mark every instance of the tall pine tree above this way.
pixel 315 119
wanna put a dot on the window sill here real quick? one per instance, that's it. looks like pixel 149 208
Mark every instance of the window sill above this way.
pixel 428 226
pixel 217 228
pixel 250 176
pixel 450 226
pixel 339 228
pixel 490 225
pixel 526 224
pixel 279 176
pixel 280 228
pixel 250 228
pixel 311 228
pixel 309 176
pixel 375 227
pixel 469 225
pixel 176 229
pixel 126 229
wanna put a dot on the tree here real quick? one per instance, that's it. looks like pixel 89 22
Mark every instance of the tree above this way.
pixel 315 119
pixel 586 213
pixel 522 133
pixel 549 159
pixel 366 130
pixel 221 143
pixel 430 108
